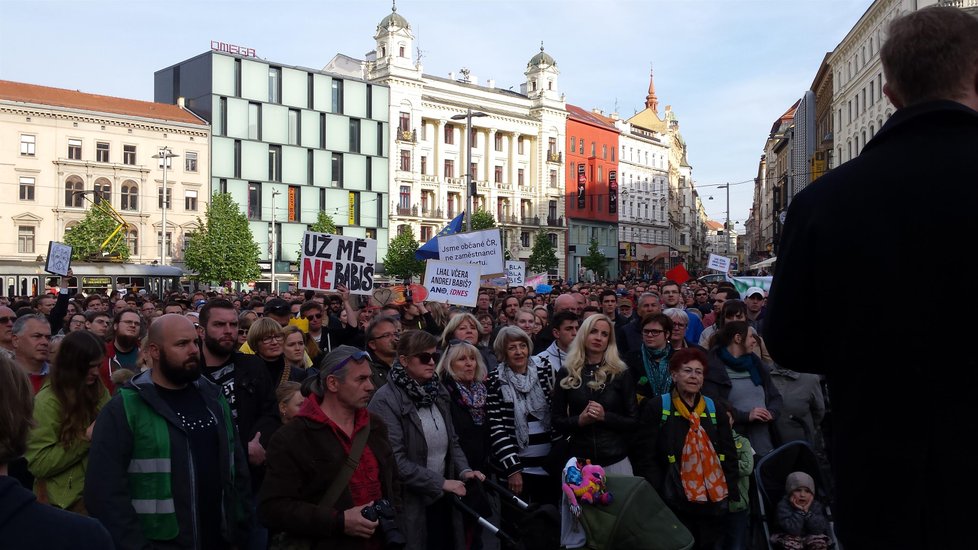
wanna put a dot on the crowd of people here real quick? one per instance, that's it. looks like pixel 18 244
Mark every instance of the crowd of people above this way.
pixel 220 420
pixel 213 420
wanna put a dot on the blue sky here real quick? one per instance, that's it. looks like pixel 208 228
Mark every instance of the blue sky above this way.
pixel 729 68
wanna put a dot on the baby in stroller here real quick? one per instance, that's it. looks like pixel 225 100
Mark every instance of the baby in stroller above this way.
pixel 802 519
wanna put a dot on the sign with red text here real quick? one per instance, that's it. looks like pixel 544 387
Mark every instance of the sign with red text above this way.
pixel 332 260
pixel 452 283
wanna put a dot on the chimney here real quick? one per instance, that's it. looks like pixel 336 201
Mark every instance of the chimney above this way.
pixel 597 111
pixel 182 102
pixel 613 116
pixel 490 83
pixel 451 76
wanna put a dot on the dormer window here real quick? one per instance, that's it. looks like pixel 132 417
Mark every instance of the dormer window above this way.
pixel 550 84
pixel 383 51
pixel 402 51
pixel 534 85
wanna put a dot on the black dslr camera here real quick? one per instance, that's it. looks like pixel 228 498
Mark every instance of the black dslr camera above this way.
pixel 382 512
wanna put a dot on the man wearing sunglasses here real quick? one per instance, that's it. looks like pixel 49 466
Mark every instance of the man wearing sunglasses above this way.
pixel 303 463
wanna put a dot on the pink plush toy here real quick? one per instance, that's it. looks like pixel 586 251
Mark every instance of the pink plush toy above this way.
pixel 585 482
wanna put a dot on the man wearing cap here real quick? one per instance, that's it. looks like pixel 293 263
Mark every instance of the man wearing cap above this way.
pixel 629 335
pixel 754 300
pixel 278 310
pixel 306 456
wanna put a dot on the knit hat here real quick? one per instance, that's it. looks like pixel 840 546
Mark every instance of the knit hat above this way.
pixel 797 480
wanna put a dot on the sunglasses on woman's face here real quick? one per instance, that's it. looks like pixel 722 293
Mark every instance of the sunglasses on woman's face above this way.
pixel 426 357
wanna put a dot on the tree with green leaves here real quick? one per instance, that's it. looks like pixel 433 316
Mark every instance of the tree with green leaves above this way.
pixel 87 237
pixel 595 260
pixel 400 261
pixel 222 248
pixel 324 224
pixel 543 257
pixel 482 219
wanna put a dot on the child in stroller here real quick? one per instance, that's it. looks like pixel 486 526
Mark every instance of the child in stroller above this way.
pixel 800 515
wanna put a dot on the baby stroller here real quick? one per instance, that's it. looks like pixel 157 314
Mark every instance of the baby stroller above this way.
pixel 770 474
pixel 538 528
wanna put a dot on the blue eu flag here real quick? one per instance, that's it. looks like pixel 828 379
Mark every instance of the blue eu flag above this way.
pixel 429 250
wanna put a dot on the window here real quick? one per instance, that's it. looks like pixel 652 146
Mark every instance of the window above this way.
pixel 581 144
pixel 254 121
pixel 519 177
pixel 169 197
pixel 336 170
pixel 190 161
pixel 553 239
pixel 449 168
pixel 27 143
pixel 74 149
pixel 449 134
pixel 553 178
pixel 73 192
pixel 424 166
pixel 294 127
pixel 404 122
pixel 25 239
pixel 525 239
pixel 132 242
pixel 254 200
pixel 274 85
pixel 274 163
pixel 237 158
pixel 406 160
pixel 594 149
pixel 405 198
pixel 498 174
pixel 519 146
pixel 103 190
pixel 552 210
pixel 499 142
pixel 26 188
pixel 552 146
pixel 354 135
pixel 426 233
pixel 573 144
pixel 129 155
pixel 473 170
pixel 130 194
pixel 450 203
pixel 101 152
pixel 169 242
pixel 337 95
pixel 190 201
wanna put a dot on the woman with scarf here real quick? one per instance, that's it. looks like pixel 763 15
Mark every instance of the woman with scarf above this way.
pixel 518 407
pixel 684 448
pixel 430 463
pixel 463 374
pixel 738 375
pixel 649 364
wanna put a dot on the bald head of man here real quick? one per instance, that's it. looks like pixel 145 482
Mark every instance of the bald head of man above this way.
pixel 566 302
pixel 173 348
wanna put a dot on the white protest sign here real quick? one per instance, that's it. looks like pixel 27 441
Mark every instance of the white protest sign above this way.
pixel 332 260
pixel 516 273
pixel 59 258
pixel 452 282
pixel 477 247
pixel 719 263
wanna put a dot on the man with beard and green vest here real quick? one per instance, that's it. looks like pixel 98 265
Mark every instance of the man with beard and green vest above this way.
pixel 165 469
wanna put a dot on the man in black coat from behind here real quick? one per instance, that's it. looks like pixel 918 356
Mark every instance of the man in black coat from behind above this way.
pixel 898 401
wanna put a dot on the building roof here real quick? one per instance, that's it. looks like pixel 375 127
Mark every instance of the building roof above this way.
pixel 715 226
pixel 74 99
pixel 394 19
pixel 788 116
pixel 542 58
pixel 580 115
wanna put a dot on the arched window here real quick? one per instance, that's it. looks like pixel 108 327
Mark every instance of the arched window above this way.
pixel 130 194
pixel 103 190
pixel 73 188
pixel 132 242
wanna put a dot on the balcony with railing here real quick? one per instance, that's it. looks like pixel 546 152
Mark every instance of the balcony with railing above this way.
pixel 407 136
pixel 555 157
pixel 432 213
pixel 402 210
pixel 455 183
pixel 555 222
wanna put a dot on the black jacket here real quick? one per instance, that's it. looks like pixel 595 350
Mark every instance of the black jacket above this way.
pixel 900 208
pixel 473 438
pixel 604 442
pixel 26 523
pixel 107 496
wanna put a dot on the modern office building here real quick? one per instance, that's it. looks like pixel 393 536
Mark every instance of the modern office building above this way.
pixel 289 142
pixel 62 150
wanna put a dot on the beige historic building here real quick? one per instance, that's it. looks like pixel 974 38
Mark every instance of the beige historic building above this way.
pixel 60 150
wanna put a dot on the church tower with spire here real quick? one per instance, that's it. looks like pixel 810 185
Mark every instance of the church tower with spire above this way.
pixel 394 43
pixel 541 77
pixel 651 101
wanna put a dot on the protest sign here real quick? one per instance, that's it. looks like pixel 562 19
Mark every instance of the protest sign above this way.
pixel 452 282
pixel 477 247
pixel 332 260
pixel 516 273
pixel 59 258
pixel 719 263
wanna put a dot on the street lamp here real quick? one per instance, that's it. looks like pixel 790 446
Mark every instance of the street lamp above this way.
pixel 726 228
pixel 469 182
pixel 165 155
pixel 271 239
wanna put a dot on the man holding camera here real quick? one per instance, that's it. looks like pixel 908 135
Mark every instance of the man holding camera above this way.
pixel 330 472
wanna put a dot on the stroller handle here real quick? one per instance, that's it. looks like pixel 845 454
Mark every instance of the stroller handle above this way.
pixel 506 494
pixel 499 533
